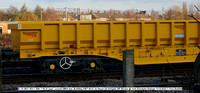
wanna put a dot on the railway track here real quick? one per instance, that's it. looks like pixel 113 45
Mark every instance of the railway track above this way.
pixel 27 78
pixel 177 74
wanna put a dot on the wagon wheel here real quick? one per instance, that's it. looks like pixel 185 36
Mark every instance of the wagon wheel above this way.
pixel 66 63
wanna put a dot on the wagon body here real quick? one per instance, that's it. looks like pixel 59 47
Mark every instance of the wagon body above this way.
pixel 154 42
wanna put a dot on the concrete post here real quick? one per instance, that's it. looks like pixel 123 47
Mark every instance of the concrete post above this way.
pixel 128 69
pixel 197 74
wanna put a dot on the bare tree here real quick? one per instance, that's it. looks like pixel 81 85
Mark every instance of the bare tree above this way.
pixel 12 12
pixel 153 15
pixel 197 13
pixel 2 14
pixel 5 41
pixel 191 11
pixel 168 14
pixel 184 11
pixel 50 14
pixel 176 13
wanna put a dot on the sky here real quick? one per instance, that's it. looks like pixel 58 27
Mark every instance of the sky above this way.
pixel 98 4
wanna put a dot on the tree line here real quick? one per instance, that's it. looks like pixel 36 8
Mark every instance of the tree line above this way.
pixel 50 14
pixel 181 13
pixel 13 14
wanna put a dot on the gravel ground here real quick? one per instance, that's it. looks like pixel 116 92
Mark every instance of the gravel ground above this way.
pixel 93 83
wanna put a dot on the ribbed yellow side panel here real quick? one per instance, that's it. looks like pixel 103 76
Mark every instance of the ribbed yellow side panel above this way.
pixel 108 38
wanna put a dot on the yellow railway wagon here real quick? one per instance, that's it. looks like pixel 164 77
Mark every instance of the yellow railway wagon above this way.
pixel 154 42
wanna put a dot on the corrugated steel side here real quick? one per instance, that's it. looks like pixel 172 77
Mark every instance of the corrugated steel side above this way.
pixel 92 38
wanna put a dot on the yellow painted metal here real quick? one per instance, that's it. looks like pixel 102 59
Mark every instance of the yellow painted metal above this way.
pixel 111 34
pixel 198 28
pixel 42 43
pixel 52 66
pixel 127 34
pixel 94 35
pixel 92 64
pixel 15 40
pixel 60 36
pixel 78 32
pixel 155 42
pixel 172 33
pixel 186 33
pixel 158 34
pixel 142 35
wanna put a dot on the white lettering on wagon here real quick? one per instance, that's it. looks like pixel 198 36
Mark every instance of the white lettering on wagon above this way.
pixel 179 36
